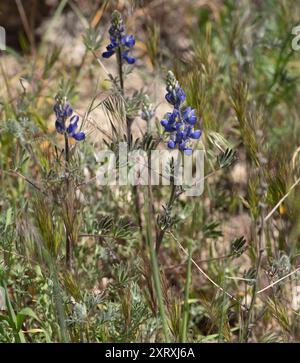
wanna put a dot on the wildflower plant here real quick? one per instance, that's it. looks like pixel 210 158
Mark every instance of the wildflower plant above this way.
pixel 120 45
pixel 67 124
pixel 84 262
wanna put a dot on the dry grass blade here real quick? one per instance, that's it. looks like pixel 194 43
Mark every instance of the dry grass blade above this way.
pixel 206 276
pixel 282 200
pixel 277 281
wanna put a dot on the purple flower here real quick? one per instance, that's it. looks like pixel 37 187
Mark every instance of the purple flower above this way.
pixel 63 112
pixel 189 116
pixel 176 97
pixel 125 56
pixel 128 41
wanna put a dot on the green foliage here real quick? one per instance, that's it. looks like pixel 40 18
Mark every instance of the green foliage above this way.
pixel 226 159
pixel 150 264
pixel 237 246
pixel 92 39
pixel 211 230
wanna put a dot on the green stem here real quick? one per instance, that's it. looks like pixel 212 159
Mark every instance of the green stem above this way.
pixel 68 237
pixel 59 307
pixel 252 303
pixel 156 274
pixel 128 133
pixel 67 151
pixel 221 326
pixel 121 77
pixel 120 66
pixel 186 307
pixel 169 206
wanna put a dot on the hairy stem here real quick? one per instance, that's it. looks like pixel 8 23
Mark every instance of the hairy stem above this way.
pixel 169 206
pixel 186 306
pixel 156 273
pixel 175 167
pixel 57 297
pixel 69 252
pixel 67 152
pixel 138 207
pixel 247 329
pixel 120 69
pixel 129 121
pixel 69 247
pixel 121 78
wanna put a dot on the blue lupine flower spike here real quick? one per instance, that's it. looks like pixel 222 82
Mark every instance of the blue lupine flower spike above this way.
pixel 180 123
pixel 66 123
pixel 119 39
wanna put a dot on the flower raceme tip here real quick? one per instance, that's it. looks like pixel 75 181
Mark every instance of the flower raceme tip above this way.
pixel 119 39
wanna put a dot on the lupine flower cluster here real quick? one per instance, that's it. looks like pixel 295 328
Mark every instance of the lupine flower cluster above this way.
pixel 179 123
pixel 119 39
pixel 66 123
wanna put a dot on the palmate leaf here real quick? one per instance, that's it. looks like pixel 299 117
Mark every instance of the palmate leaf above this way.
pixel 166 219
pixel 92 39
pixel 250 276
pixel 122 274
pixel 66 89
pixel 120 229
pixel 226 158
pixel 238 247
pixel 123 228
pixel 211 230
pixel 104 224
pixel 280 267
